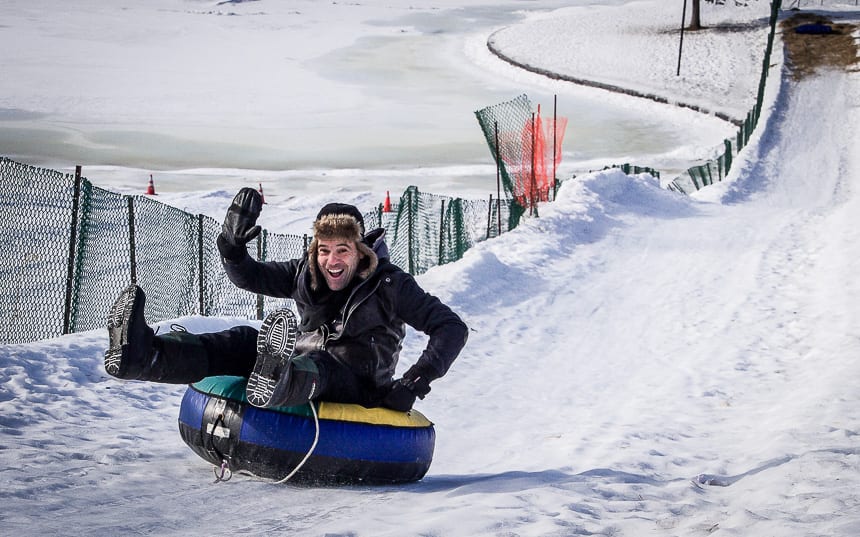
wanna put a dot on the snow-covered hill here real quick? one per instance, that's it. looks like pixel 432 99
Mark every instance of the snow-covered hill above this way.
pixel 640 363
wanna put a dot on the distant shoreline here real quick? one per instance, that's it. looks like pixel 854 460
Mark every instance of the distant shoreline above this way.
pixel 602 85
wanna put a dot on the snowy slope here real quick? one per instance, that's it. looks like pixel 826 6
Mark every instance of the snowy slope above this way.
pixel 640 363
pixel 625 343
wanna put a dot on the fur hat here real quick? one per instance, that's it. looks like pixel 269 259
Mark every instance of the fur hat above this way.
pixel 340 221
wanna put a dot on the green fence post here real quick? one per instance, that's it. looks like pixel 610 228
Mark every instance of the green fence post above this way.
pixel 131 239
pixel 73 241
pixel 442 234
pixel 691 172
pixel 410 231
pixel 457 221
pixel 489 216
pixel 261 254
pixel 201 284
pixel 84 226
pixel 728 155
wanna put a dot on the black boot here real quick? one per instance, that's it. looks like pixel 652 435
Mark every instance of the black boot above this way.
pixel 130 349
pixel 136 353
pixel 278 379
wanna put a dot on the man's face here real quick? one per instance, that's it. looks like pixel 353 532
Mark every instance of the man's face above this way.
pixel 338 260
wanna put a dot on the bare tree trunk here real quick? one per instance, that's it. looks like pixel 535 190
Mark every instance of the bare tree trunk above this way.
pixel 695 17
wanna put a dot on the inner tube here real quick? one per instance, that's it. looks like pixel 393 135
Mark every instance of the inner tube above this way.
pixel 356 445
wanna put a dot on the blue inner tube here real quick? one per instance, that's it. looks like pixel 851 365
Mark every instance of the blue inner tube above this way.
pixel 356 445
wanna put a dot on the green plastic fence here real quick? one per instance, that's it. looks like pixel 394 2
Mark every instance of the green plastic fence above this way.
pixel 715 170
pixel 69 248
pixel 35 215
pixel 502 125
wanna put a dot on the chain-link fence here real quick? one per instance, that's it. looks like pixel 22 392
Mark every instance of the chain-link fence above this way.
pixel 69 248
pixel 35 215
pixel 426 230
pixel 716 169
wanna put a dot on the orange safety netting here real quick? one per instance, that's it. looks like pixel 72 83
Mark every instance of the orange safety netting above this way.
pixel 534 175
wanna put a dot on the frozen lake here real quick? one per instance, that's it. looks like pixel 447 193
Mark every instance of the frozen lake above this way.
pixel 207 95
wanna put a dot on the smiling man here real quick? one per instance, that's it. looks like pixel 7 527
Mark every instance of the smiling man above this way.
pixel 353 305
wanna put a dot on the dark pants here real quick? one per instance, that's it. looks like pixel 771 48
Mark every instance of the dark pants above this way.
pixel 234 351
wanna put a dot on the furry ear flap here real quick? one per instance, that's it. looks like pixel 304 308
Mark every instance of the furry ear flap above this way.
pixel 313 267
pixel 369 258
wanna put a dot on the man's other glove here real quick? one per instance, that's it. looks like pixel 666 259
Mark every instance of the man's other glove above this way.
pixel 414 384
pixel 239 226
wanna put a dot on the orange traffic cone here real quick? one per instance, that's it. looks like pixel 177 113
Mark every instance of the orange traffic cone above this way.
pixel 260 190
pixel 386 207
pixel 150 190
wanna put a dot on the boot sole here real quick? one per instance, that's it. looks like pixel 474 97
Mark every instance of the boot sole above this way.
pixel 275 345
pixel 118 320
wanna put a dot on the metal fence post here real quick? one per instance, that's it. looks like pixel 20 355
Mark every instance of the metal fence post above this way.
pixel 261 253
pixel 490 216
pixel 73 240
pixel 201 294
pixel 131 239
pixel 728 155
pixel 442 233
pixel 410 243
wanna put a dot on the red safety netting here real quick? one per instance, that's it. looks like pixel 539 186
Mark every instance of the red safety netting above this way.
pixel 535 172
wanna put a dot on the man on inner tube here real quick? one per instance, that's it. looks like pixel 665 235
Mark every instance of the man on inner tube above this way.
pixel 353 305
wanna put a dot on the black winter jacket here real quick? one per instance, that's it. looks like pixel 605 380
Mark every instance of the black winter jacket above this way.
pixel 366 334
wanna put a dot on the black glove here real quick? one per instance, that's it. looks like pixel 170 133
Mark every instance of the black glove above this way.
pixel 404 391
pixel 240 223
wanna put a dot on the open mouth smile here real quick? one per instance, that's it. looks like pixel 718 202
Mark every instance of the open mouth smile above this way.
pixel 334 273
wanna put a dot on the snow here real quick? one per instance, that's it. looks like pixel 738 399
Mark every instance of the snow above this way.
pixel 644 55
pixel 233 94
pixel 640 362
